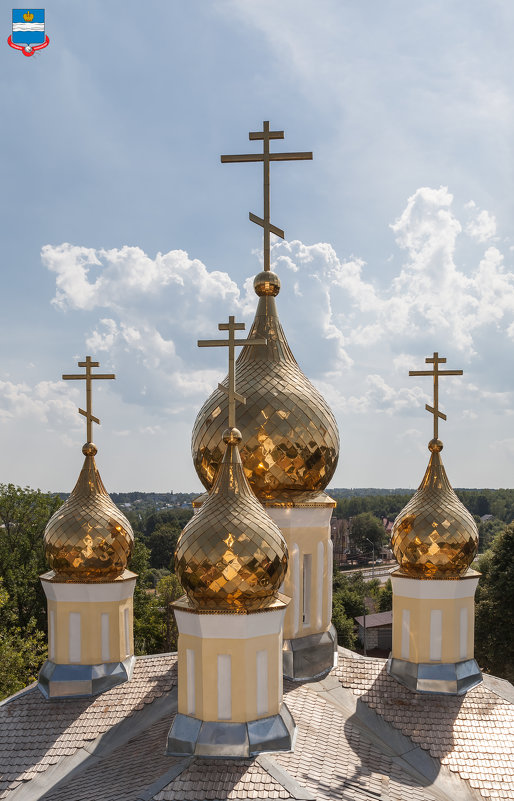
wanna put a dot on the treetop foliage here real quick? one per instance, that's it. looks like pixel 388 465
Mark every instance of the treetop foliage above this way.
pixel 494 602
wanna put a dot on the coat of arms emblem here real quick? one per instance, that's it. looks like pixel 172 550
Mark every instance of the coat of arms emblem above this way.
pixel 28 30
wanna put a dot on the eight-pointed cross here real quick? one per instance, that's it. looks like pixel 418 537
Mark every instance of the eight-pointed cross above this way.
pixel 266 157
pixel 232 343
pixel 436 372
pixel 88 376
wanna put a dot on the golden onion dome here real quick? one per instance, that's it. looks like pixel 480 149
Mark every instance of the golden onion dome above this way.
pixel 434 536
pixel 231 555
pixel 290 436
pixel 88 538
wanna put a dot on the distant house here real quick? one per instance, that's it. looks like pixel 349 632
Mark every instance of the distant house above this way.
pixel 379 630
pixel 388 524
pixel 485 518
pixel 340 534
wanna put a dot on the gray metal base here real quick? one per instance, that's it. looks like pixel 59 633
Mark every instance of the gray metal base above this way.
pixel 441 679
pixel 309 657
pixel 67 681
pixel 222 739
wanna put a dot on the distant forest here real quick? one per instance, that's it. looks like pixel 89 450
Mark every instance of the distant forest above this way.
pixel 387 503
pixel 382 502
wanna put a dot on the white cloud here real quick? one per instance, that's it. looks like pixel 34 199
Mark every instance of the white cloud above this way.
pixel 345 328
pixel 45 402
pixel 127 276
pixel 382 397
pixel 430 298
pixel 482 226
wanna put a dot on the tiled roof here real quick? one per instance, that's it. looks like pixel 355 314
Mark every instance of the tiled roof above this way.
pixel 73 750
pixel 222 779
pixel 36 733
pixel 334 760
pixel 121 773
pixel 472 734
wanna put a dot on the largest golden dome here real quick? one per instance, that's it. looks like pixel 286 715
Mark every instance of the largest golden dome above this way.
pixel 434 536
pixel 231 555
pixel 88 538
pixel 290 436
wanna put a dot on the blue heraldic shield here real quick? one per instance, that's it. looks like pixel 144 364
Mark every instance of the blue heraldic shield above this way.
pixel 28 26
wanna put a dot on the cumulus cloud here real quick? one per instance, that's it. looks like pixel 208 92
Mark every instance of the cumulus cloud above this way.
pixel 482 226
pixel 47 402
pixel 430 297
pixel 356 339
pixel 124 276
pixel 379 396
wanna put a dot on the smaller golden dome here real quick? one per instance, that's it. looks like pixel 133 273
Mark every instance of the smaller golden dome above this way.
pixel 231 555
pixel 434 536
pixel 88 538
pixel 266 283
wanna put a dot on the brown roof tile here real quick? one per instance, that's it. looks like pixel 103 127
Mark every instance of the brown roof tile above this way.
pixel 334 760
pixel 207 779
pixel 472 734
pixel 35 732
pixel 122 773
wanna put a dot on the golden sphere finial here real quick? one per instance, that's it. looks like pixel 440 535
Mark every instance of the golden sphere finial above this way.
pixel 435 446
pixel 89 449
pixel 232 436
pixel 266 283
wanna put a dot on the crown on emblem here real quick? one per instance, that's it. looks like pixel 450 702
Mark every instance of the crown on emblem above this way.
pixel 28 17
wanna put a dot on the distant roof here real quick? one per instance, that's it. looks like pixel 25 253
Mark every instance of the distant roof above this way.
pixel 360 736
pixel 375 620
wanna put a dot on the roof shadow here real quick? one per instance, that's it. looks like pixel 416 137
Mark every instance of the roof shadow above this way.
pixel 36 733
pixel 418 727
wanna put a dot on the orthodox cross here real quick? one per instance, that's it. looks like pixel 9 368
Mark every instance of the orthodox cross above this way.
pixel 266 157
pixel 231 343
pixel 88 376
pixel 436 372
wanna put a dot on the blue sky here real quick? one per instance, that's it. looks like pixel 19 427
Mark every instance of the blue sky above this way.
pixel 124 237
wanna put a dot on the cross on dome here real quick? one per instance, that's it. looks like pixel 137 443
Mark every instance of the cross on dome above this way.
pixel 231 343
pixel 436 372
pixel 88 376
pixel 266 157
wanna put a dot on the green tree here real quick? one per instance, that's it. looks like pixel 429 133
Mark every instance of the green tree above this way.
pixel 147 629
pixel 24 514
pixel 373 589
pixel 162 543
pixel 344 626
pixel 366 527
pixel 494 638
pixel 154 625
pixel 385 598
pixel 486 532
pixel 22 652
pixel 168 590
pixel 349 592
pixel 482 505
